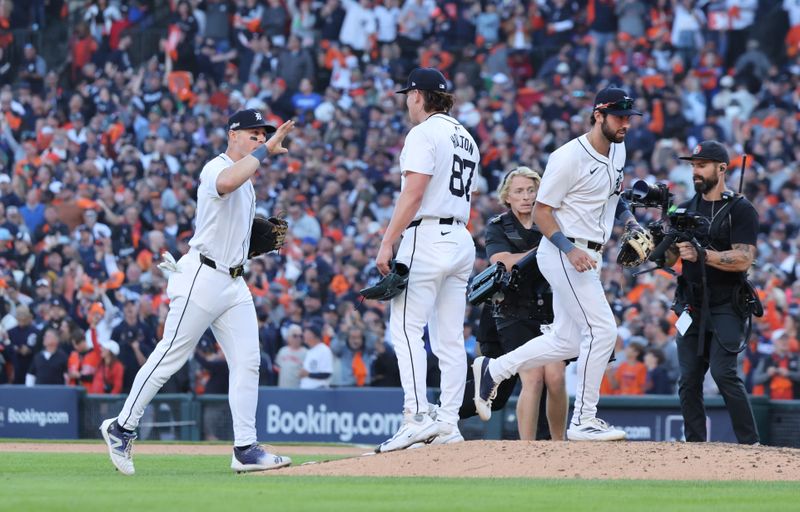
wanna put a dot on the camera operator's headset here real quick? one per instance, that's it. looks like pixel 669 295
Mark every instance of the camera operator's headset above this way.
pixel 731 200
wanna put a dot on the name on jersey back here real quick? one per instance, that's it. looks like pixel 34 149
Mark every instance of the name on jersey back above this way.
pixel 459 141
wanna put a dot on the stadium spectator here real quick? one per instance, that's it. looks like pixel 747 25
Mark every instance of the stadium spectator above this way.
pixel 82 362
pixel 384 370
pixel 290 358
pixel 630 377
pixel 135 342
pixel 49 366
pixel 318 363
pixel 779 372
pixel 354 357
pixel 23 344
pixel 658 382
pixel 109 374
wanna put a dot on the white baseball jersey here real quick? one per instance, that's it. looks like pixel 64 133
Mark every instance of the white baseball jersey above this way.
pixel 440 259
pixel 584 187
pixel 318 360
pixel 441 147
pixel 222 230
pixel 203 297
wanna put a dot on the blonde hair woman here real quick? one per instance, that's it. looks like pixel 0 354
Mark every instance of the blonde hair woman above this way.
pixel 509 238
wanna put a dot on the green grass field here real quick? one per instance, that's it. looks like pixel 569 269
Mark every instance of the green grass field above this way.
pixel 87 482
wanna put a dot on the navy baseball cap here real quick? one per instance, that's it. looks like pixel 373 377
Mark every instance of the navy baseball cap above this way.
pixel 315 327
pixel 709 150
pixel 615 101
pixel 247 119
pixel 425 79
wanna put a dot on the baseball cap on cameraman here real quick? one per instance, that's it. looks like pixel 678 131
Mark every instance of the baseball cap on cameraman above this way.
pixel 709 150
pixel 425 79
pixel 247 119
pixel 615 101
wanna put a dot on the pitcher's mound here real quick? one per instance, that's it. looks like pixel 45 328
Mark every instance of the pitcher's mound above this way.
pixel 548 459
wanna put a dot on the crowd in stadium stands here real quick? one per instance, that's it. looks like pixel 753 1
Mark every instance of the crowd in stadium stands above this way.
pixel 100 160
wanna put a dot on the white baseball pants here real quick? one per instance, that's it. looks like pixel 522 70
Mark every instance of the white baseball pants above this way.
pixel 440 258
pixel 201 296
pixel 584 326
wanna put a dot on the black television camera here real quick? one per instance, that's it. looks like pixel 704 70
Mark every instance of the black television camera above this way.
pixel 495 281
pixel 488 283
pixel 675 224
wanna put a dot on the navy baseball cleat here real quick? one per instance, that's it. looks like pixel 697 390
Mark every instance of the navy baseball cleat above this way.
pixel 485 387
pixel 120 445
pixel 255 458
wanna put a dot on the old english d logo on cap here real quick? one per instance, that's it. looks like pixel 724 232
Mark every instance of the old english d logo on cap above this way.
pixel 697 149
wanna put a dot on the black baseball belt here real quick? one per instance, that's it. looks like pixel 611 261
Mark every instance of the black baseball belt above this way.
pixel 445 221
pixel 595 246
pixel 233 271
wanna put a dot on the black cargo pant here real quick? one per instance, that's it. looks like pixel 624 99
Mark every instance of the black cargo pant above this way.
pixel 511 337
pixel 719 354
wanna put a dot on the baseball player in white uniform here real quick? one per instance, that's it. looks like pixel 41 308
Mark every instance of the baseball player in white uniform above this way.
pixel 439 162
pixel 575 209
pixel 205 289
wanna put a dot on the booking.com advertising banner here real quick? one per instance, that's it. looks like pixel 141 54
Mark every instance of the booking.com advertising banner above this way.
pixel 368 416
pixel 41 412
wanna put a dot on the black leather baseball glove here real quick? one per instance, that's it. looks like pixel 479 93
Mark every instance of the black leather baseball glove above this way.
pixel 266 235
pixel 634 247
pixel 391 285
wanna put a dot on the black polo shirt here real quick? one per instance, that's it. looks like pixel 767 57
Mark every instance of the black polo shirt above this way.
pixel 49 370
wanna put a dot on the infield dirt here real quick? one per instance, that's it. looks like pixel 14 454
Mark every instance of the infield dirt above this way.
pixel 510 459
pixel 543 459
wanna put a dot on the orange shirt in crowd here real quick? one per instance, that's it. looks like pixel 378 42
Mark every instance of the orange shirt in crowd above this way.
pixel 108 376
pixel 85 364
pixel 631 378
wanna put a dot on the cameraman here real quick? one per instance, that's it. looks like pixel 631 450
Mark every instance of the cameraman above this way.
pixel 728 241
pixel 509 238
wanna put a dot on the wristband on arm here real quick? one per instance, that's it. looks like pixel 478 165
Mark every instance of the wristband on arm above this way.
pixel 623 212
pixel 560 240
pixel 260 153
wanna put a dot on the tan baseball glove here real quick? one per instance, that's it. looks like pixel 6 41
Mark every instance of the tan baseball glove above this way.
pixel 634 248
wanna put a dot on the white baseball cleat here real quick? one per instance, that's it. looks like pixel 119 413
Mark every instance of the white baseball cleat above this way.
pixel 448 434
pixel 416 428
pixel 485 387
pixel 594 429
pixel 255 458
pixel 120 445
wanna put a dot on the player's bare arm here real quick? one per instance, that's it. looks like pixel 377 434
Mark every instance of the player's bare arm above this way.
pixel 247 148
pixel 543 217
pixel 404 212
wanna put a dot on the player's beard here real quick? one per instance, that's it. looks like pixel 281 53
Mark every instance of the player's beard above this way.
pixel 704 185
pixel 610 134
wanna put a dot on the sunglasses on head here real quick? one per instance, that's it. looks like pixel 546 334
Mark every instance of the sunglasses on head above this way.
pixel 625 103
